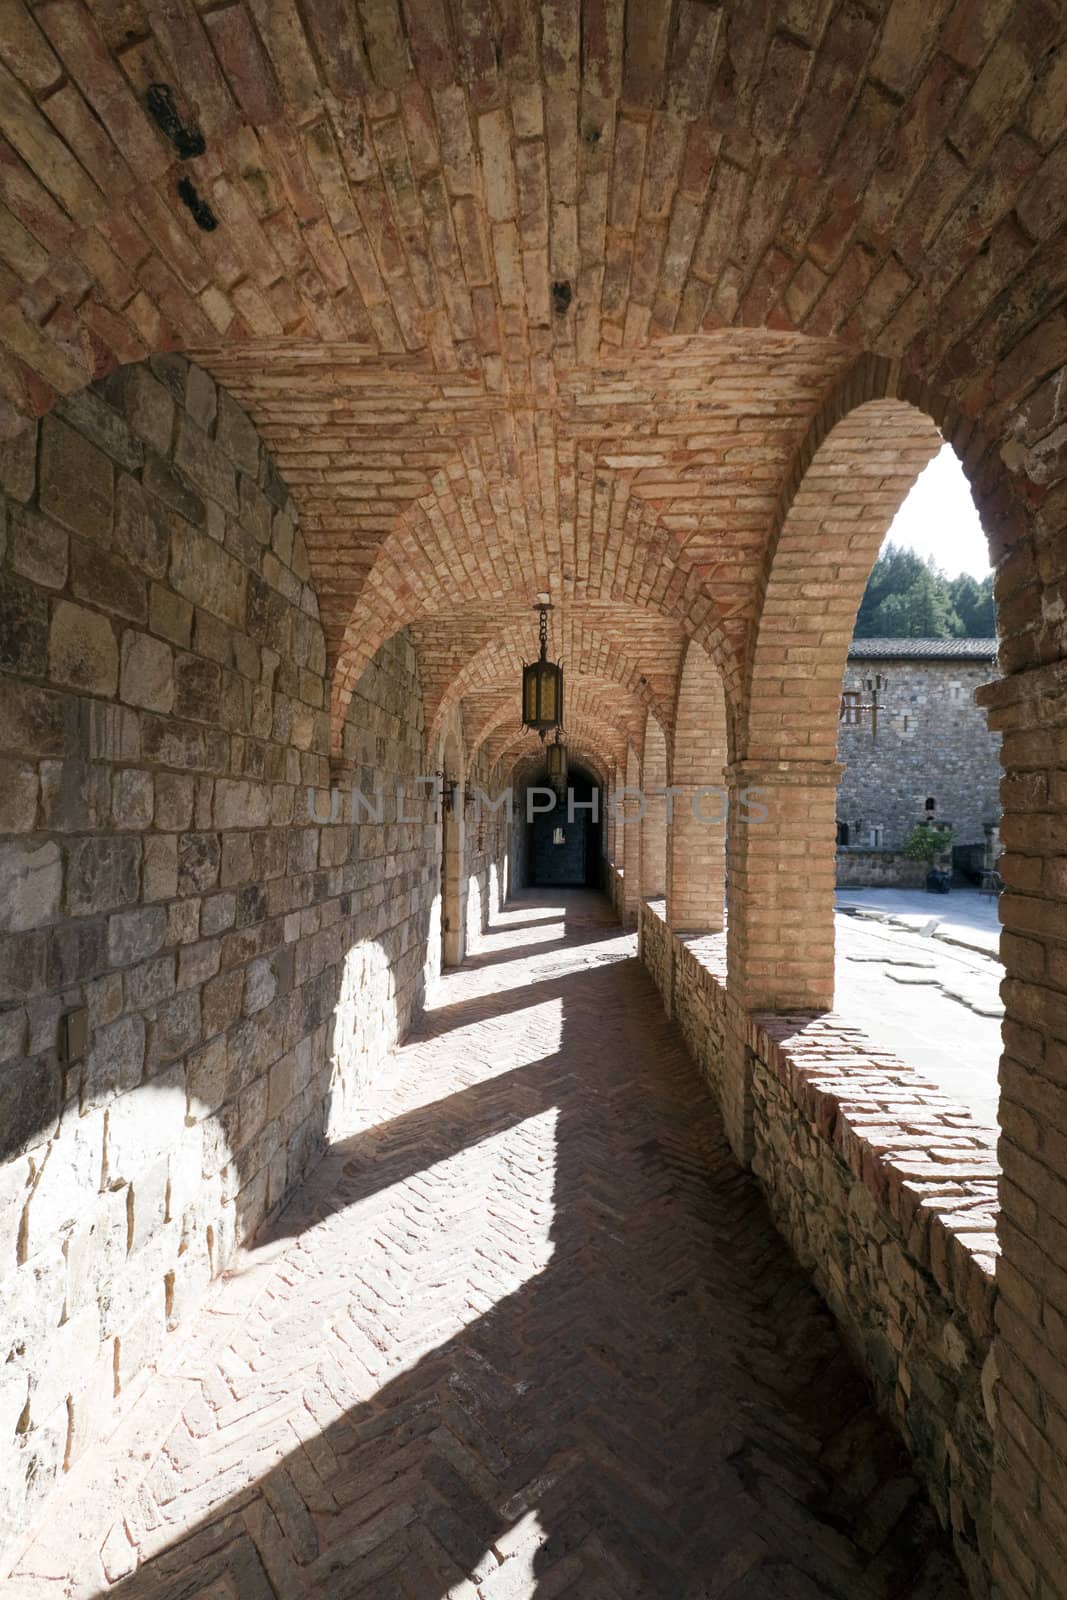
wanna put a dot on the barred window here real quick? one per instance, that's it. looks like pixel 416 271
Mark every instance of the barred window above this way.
pixel 850 707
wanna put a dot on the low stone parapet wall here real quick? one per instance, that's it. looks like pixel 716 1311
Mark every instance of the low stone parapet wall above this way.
pixel 615 889
pixel 878 869
pixel 886 1192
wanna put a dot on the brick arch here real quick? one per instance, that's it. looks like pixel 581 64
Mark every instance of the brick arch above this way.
pixel 831 530
pixel 445 549
pixel 862 454
pixel 696 834
pixel 586 755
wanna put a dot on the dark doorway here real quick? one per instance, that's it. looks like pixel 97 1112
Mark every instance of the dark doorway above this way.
pixel 564 843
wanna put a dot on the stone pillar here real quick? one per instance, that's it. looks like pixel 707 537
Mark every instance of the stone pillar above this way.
pixel 1030 1437
pixel 608 829
pixel 696 859
pixel 653 824
pixel 629 826
pixel 453 910
pixel 780 929
pixel 653 835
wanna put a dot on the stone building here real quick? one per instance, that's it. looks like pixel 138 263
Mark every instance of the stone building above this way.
pixel 926 752
pixel 330 336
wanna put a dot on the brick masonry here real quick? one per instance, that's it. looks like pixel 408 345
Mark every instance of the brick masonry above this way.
pixel 244 946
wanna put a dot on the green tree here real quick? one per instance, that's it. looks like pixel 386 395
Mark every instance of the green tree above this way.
pixel 894 573
pixel 907 598
pixel 972 599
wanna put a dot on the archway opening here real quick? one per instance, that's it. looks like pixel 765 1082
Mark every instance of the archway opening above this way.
pixel 918 809
pixel 563 843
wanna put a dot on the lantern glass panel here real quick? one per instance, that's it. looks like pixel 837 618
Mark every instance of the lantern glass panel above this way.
pixel 548 693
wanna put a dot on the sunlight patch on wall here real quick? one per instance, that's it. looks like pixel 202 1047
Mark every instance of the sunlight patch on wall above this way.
pixel 364 1032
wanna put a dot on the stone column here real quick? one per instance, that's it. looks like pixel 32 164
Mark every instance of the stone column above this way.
pixel 453 908
pixel 629 825
pixel 653 834
pixel 608 821
pixel 1030 1437
pixel 696 859
pixel 780 930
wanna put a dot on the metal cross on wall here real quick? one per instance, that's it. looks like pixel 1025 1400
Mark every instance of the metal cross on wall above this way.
pixel 852 707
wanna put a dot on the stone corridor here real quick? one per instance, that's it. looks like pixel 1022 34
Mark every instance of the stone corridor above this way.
pixel 530 1333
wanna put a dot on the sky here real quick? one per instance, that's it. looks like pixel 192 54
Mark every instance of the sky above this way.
pixel 938 519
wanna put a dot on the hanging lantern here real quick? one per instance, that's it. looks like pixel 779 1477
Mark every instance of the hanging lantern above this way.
pixel 556 756
pixel 542 684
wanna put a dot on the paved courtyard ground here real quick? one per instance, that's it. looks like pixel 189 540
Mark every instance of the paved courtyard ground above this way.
pixel 920 973
pixel 963 916
pixel 531 1334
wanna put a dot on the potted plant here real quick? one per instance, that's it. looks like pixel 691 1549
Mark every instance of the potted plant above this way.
pixel 931 842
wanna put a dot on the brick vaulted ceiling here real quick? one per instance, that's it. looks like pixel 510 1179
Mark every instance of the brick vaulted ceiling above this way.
pixel 530 297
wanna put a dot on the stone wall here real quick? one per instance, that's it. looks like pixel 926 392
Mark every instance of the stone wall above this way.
pixel 486 849
pixel 205 952
pixel 886 1192
pixel 171 916
pixel 615 889
pixel 933 741
pixel 389 833
pixel 878 869
pixel 655 948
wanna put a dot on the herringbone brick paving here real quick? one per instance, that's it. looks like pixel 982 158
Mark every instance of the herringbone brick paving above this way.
pixel 531 1334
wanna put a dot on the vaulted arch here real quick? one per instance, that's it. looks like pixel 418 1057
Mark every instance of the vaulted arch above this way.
pixel 638 579
pixel 602 741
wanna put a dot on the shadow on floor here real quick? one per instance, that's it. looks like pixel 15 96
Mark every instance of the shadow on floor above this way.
pixel 535 1337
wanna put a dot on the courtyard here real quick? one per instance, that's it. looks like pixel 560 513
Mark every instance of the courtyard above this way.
pixel 920 973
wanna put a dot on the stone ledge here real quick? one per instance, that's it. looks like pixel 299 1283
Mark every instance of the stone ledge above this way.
pixel 926 1161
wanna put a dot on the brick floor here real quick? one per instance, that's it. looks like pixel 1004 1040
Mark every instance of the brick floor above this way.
pixel 530 1335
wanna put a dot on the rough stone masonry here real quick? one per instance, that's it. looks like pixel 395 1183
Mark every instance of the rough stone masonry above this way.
pixel 201 963
pixel 930 742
